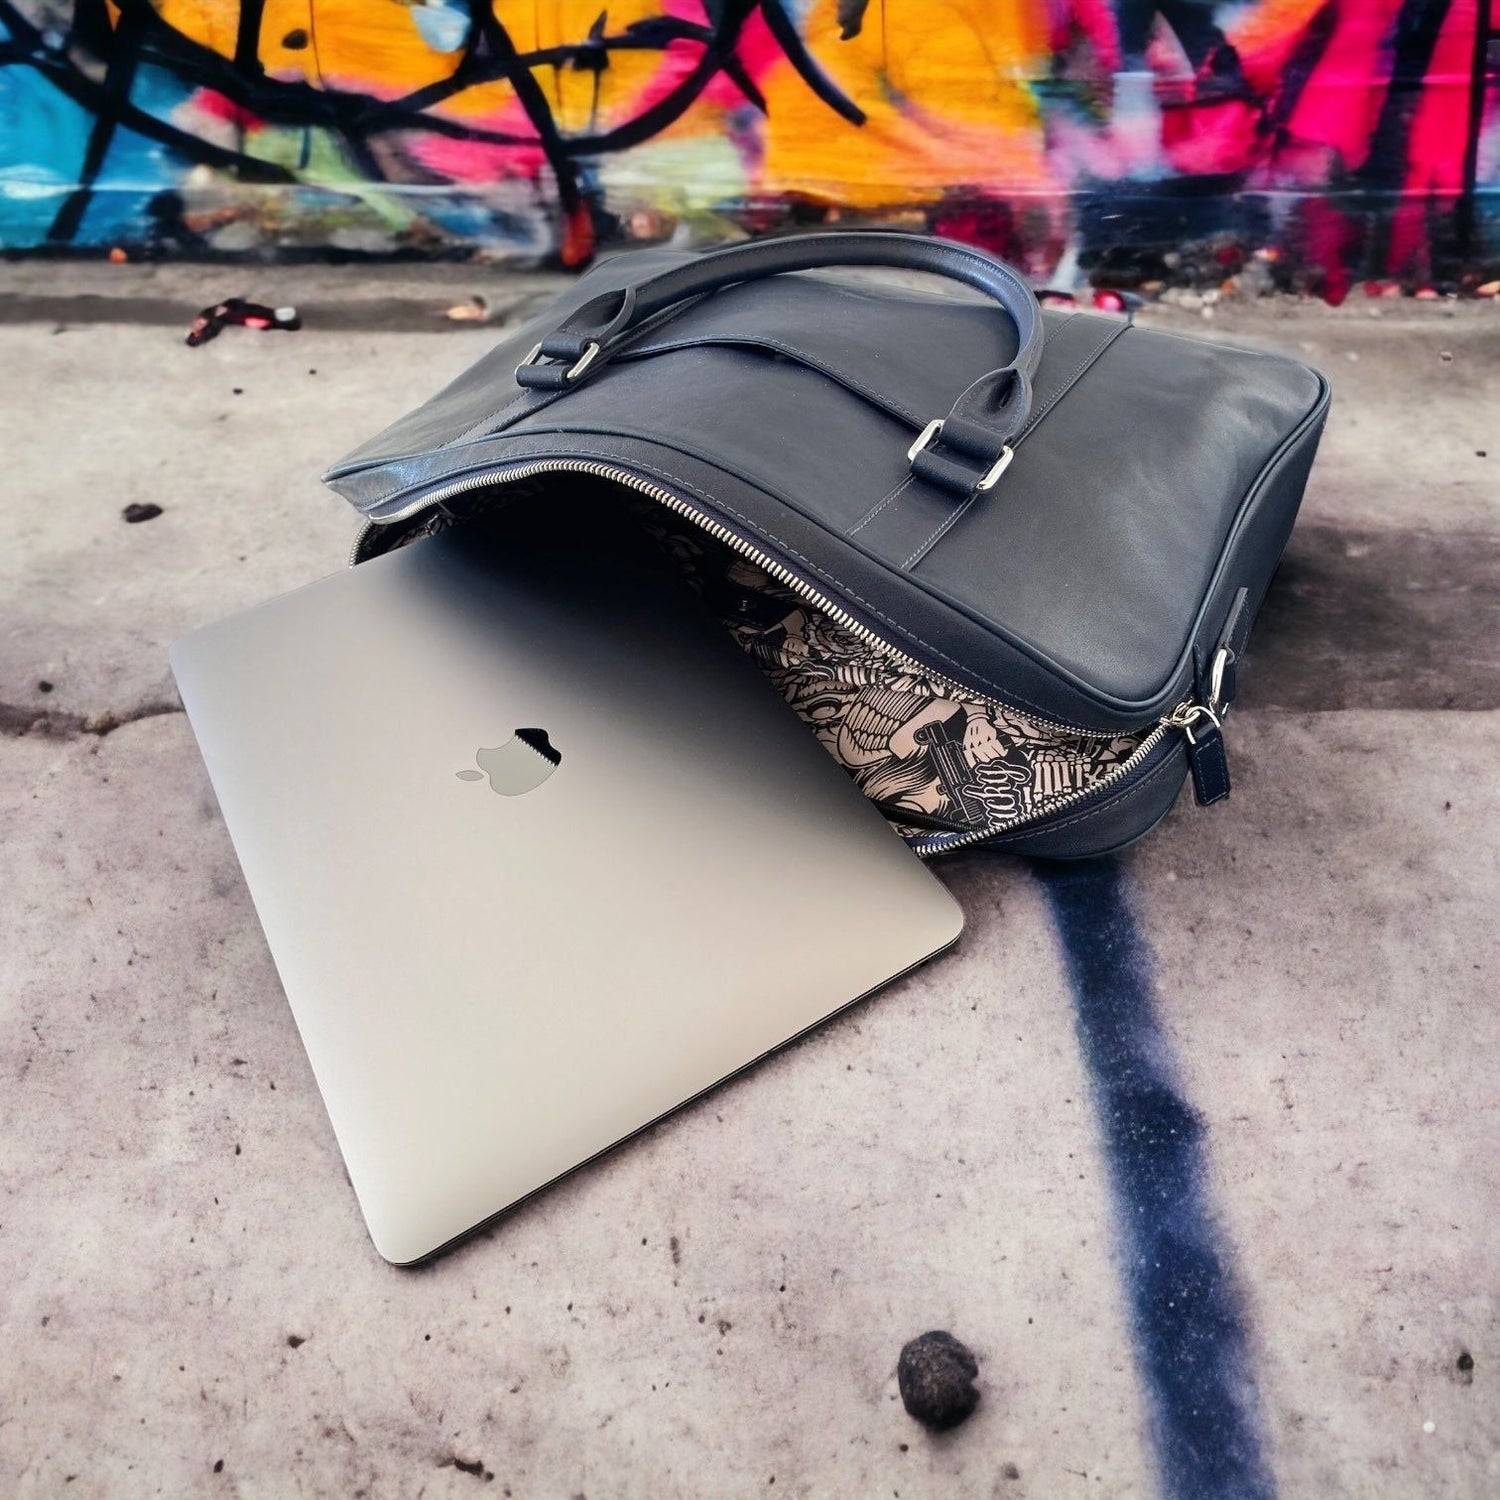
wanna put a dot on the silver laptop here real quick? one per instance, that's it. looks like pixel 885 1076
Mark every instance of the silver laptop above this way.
pixel 540 857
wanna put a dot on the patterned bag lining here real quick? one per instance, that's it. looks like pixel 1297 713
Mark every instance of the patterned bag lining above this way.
pixel 959 765
pixel 956 766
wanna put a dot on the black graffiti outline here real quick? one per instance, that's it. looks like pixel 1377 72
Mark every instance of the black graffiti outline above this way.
pixel 68 78
pixel 140 36
pixel 488 54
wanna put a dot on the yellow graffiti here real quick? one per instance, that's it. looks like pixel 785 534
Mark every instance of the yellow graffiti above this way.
pixel 944 89
pixel 377 47
pixel 943 85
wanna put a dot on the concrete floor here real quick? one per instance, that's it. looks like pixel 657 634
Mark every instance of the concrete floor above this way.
pixel 1283 1280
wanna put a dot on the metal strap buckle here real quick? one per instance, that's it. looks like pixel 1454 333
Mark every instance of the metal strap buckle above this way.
pixel 933 430
pixel 587 358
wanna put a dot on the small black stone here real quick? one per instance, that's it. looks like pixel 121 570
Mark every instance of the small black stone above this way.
pixel 936 1376
pixel 134 513
pixel 44 686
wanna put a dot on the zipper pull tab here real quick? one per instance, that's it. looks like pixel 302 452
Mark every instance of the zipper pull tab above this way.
pixel 1207 758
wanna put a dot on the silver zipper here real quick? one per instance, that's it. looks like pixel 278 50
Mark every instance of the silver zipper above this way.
pixel 947 843
pixel 942 843
pixel 729 538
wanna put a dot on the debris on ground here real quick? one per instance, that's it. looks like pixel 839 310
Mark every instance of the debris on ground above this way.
pixel 474 1466
pixel 936 1375
pixel 140 512
pixel 117 256
pixel 475 310
pixel 236 312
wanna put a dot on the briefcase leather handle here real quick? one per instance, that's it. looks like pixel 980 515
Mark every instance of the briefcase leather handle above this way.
pixel 964 451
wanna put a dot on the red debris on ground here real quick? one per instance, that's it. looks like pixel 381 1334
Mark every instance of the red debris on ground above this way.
pixel 241 314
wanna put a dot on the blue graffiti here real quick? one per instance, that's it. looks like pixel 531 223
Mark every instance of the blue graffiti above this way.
pixel 1186 1315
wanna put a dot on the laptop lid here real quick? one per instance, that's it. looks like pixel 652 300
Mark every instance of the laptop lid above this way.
pixel 539 854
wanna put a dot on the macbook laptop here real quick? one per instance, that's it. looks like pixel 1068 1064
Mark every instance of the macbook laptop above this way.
pixel 539 854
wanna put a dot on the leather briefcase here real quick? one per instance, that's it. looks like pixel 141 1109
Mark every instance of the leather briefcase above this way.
pixel 1002 562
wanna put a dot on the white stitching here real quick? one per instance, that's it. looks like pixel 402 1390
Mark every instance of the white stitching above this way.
pixel 871 514
pixel 1073 377
pixel 944 526
pixel 490 425
pixel 1090 355
pixel 802 356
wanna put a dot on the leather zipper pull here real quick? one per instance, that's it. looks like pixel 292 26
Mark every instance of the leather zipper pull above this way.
pixel 1203 721
pixel 1208 759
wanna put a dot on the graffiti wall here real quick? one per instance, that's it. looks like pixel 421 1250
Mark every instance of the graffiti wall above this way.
pixel 1311 142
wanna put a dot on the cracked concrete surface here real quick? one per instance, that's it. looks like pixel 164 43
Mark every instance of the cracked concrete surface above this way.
pixel 14 719
pixel 191 1306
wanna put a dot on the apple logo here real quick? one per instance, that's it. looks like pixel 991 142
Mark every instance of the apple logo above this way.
pixel 520 765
